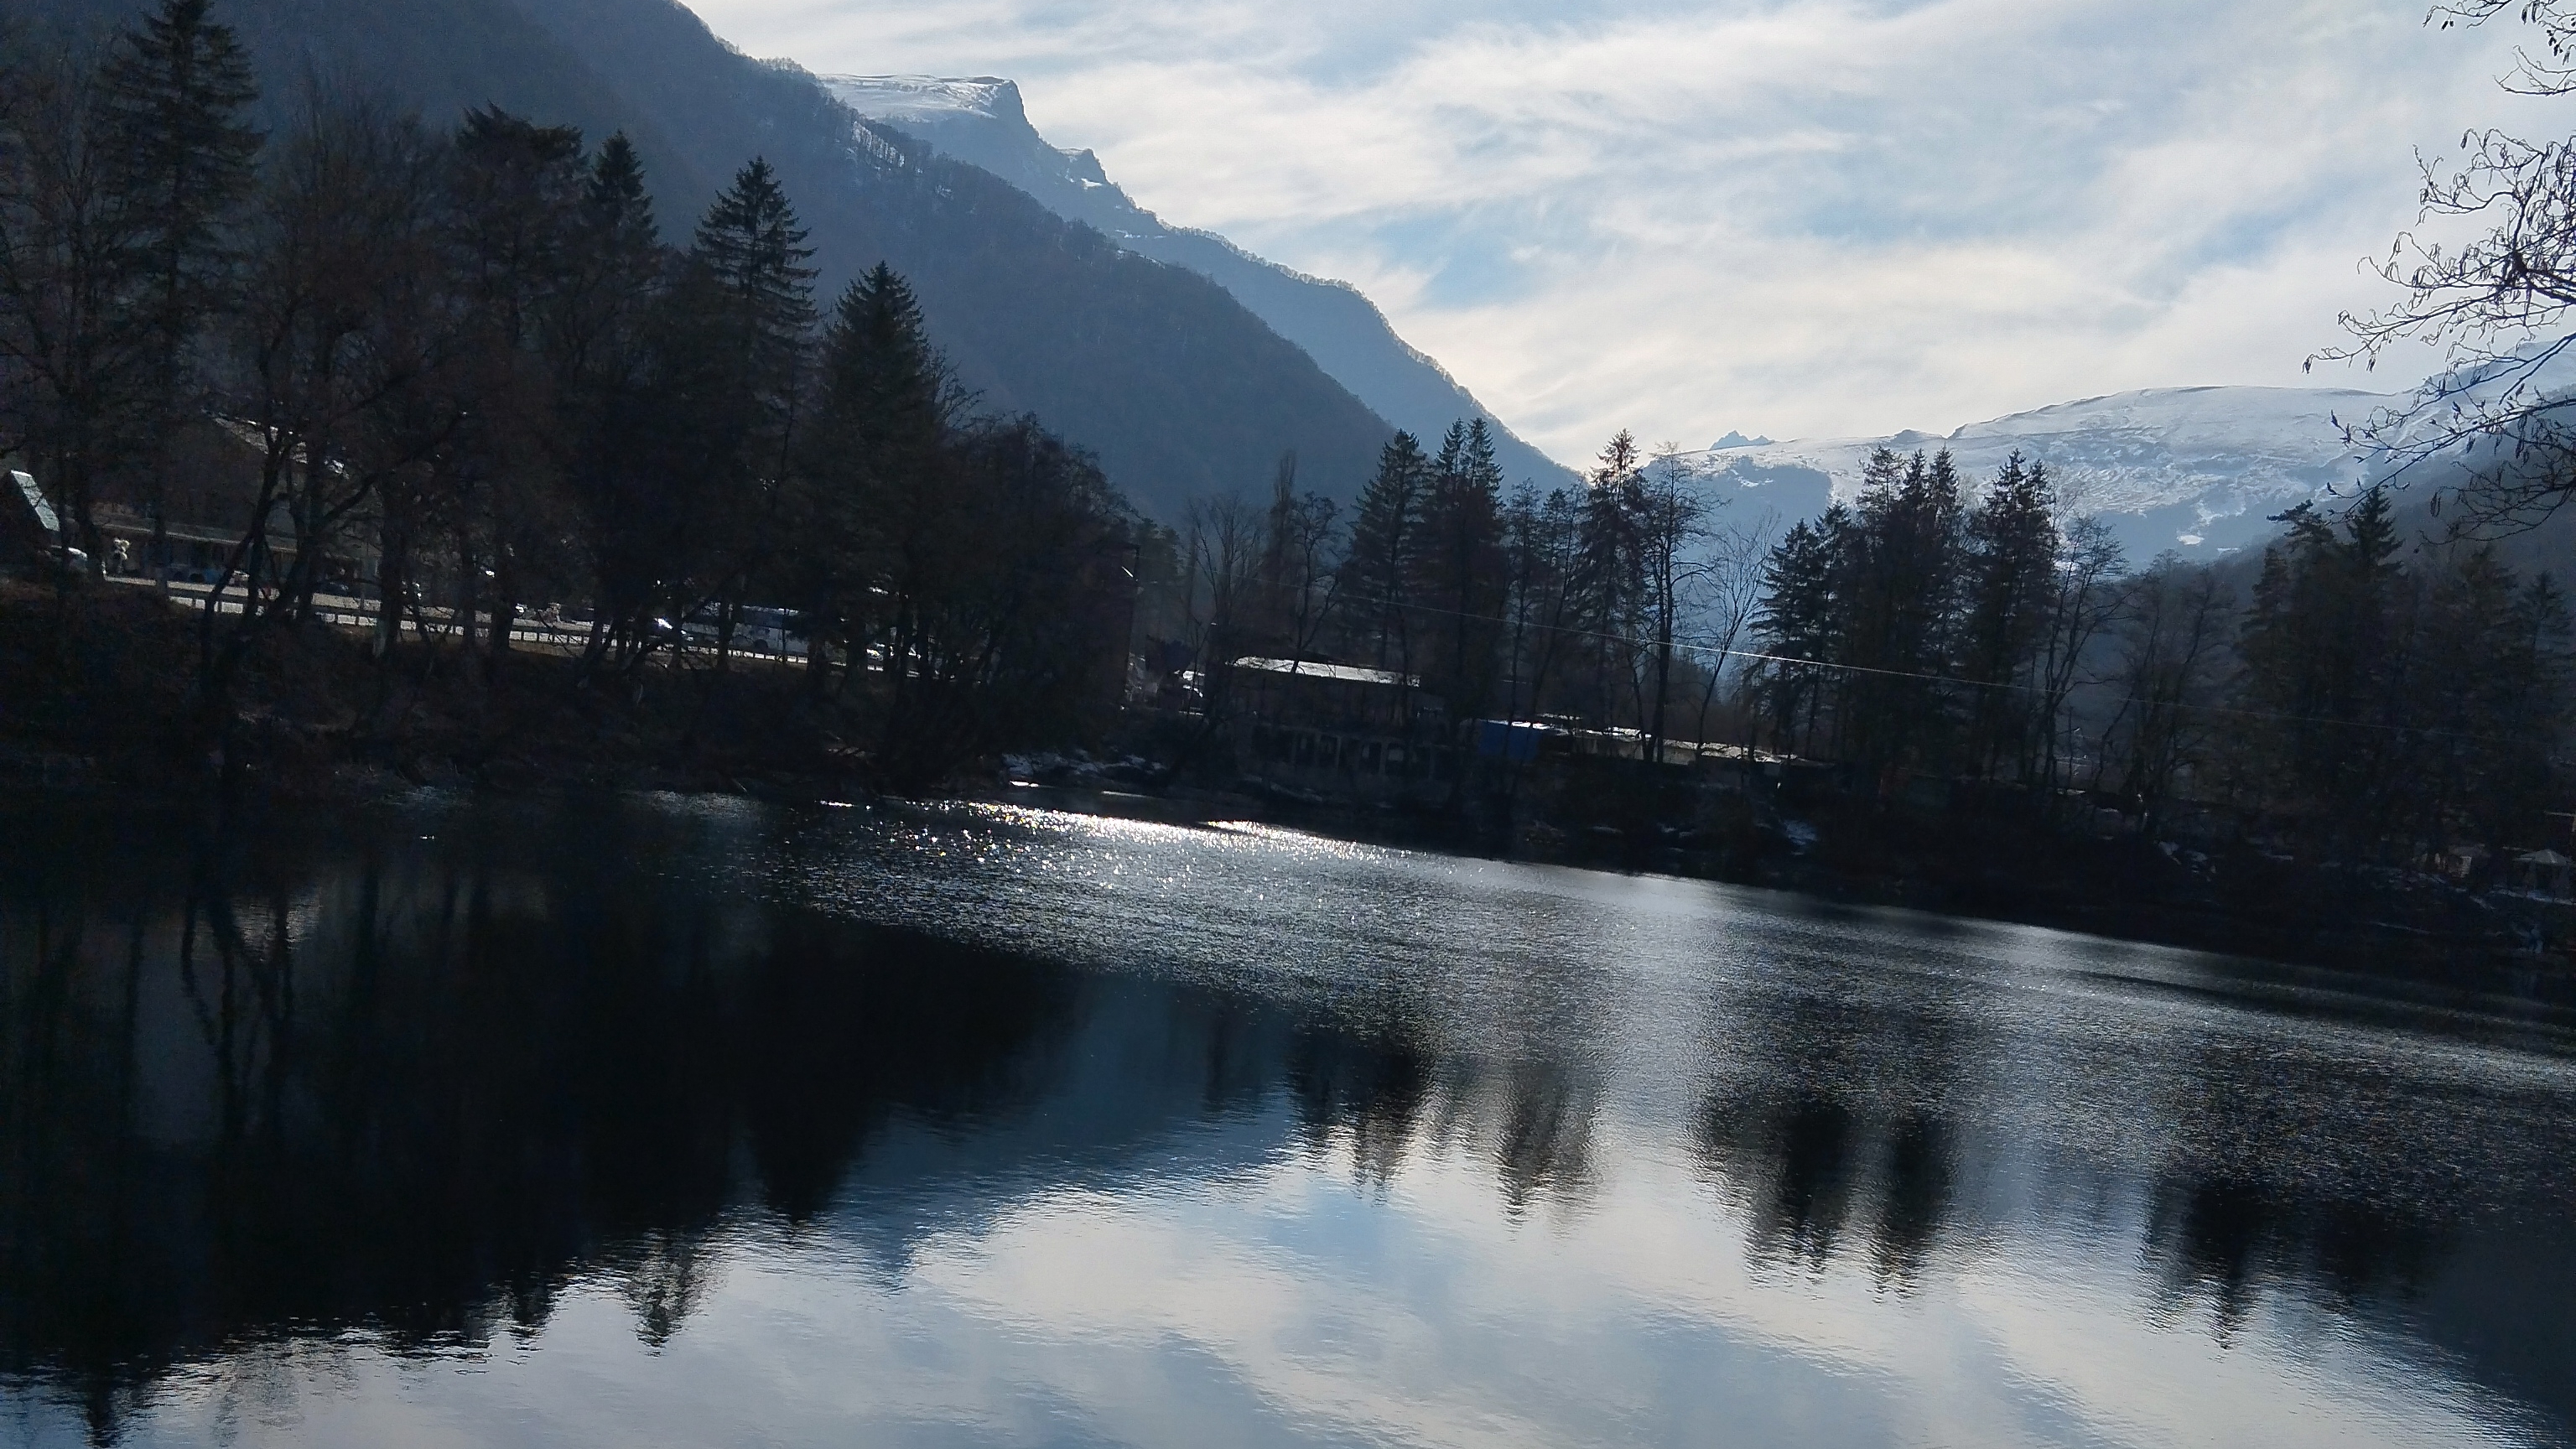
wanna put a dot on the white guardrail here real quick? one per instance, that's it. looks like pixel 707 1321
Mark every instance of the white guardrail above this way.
pixel 344 612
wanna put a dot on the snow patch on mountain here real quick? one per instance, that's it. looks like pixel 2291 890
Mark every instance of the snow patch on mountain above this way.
pixel 2198 470
pixel 900 98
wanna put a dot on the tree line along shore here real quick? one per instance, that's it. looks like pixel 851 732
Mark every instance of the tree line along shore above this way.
pixel 377 450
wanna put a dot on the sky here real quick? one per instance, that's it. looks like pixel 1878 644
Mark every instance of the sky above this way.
pixel 1798 218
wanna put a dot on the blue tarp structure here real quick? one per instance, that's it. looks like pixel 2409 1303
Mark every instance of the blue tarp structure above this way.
pixel 1501 739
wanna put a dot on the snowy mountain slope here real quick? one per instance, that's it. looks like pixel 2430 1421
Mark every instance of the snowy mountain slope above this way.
pixel 2198 470
pixel 980 120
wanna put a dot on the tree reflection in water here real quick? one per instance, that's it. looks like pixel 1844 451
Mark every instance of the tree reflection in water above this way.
pixel 256 1089
pixel 281 1083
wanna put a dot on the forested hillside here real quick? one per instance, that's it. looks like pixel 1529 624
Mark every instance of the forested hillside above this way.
pixel 1158 371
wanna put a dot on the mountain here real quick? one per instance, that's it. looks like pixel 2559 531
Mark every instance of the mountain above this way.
pixel 1166 376
pixel 981 121
pixel 2197 470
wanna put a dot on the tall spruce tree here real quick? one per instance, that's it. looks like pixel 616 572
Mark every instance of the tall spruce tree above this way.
pixel 751 265
pixel 1902 597
pixel 736 336
pixel 617 264
pixel 1801 624
pixel 2319 668
pixel 1461 565
pixel 2011 562
pixel 1606 584
pixel 176 93
pixel 871 498
pixel 515 196
pixel 1385 552
pixel 604 334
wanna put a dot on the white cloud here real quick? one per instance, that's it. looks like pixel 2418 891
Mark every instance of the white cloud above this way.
pixel 1799 217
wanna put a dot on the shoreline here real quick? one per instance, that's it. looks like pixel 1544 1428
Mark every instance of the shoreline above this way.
pixel 95 698
pixel 2447 969
pixel 2363 950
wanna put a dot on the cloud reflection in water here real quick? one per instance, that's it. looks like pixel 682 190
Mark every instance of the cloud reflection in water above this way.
pixel 971 1125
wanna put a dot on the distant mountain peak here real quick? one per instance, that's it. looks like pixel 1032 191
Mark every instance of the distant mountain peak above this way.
pixel 901 98
pixel 980 120
pixel 1734 439
pixel 2197 469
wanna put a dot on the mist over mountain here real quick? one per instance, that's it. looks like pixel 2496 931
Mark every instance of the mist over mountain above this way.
pixel 2199 471
pixel 981 121
pixel 1167 377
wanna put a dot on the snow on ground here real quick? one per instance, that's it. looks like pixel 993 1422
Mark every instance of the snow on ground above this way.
pixel 2195 469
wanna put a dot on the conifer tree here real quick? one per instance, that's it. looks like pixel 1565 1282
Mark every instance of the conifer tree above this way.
pixel 618 262
pixel 603 331
pixel 1800 623
pixel 2488 694
pixel 749 262
pixel 732 378
pixel 1902 592
pixel 2319 669
pixel 1385 551
pixel 2012 547
pixel 175 93
pixel 870 499
pixel 1606 587
pixel 1461 565
pixel 515 193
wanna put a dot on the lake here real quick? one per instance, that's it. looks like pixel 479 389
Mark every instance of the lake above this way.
pixel 672 1121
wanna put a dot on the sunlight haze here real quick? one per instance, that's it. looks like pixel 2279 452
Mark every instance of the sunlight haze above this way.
pixel 1801 219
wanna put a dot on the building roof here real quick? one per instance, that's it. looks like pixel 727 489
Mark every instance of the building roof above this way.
pixel 1342 673
pixel 35 501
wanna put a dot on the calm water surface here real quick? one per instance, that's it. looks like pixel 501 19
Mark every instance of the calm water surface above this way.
pixel 686 1123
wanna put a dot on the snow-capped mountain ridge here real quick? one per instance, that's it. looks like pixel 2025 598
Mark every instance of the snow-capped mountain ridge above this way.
pixel 2200 470
pixel 982 121
pixel 901 98
pixel 922 101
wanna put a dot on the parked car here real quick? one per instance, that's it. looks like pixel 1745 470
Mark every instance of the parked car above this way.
pixel 770 631
pixel 757 629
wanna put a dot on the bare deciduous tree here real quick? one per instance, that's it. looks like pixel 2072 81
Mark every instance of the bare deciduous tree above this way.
pixel 344 339
pixel 1668 521
pixel 1729 595
pixel 78 349
pixel 2496 306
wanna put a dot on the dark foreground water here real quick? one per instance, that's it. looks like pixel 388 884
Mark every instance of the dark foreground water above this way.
pixel 688 1123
